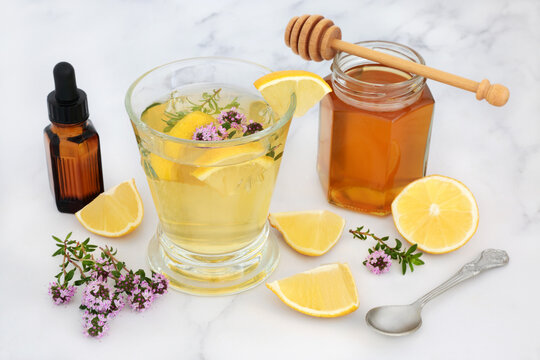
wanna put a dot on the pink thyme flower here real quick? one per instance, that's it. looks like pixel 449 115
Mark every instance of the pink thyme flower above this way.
pixel 232 116
pixel 95 324
pixel 97 296
pixel 61 294
pixel 378 262
pixel 103 268
pixel 207 133
pixel 117 304
pixel 142 297
pixel 233 119
pixel 252 127
pixel 128 282
pixel 159 284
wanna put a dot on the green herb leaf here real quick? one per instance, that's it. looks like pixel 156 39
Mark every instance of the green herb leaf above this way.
pixel 69 275
pixel 411 250
pixel 58 252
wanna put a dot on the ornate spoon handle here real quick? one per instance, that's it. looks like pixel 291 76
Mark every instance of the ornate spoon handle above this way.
pixel 488 259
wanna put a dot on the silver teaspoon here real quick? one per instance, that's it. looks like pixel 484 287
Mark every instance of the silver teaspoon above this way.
pixel 397 320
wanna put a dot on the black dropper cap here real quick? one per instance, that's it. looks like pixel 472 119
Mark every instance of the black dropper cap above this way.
pixel 67 104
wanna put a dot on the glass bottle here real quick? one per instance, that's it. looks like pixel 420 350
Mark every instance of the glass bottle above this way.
pixel 71 144
pixel 374 130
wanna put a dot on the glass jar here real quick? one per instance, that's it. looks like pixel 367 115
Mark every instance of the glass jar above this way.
pixel 374 130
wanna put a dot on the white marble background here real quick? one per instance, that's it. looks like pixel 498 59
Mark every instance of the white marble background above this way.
pixel 495 151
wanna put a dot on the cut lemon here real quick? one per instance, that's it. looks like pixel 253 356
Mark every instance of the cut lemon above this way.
pixel 164 169
pixel 277 87
pixel 230 169
pixel 153 116
pixel 185 127
pixel 310 233
pixel 115 212
pixel 326 291
pixel 230 155
pixel 436 212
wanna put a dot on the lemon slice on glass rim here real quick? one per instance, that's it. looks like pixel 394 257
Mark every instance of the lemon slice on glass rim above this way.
pixel 277 87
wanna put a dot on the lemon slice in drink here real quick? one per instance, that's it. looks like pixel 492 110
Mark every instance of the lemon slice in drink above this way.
pixel 153 116
pixel 185 127
pixel 228 169
pixel 166 169
pixel 277 87
pixel 114 213
pixel 326 291
pixel 437 213
pixel 310 233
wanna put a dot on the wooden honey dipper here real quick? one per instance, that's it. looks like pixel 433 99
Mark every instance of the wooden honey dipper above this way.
pixel 315 38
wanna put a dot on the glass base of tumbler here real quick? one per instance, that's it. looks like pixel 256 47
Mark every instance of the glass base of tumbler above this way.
pixel 212 275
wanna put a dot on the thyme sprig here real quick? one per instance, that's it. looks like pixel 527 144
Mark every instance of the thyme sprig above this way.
pixel 101 302
pixel 208 104
pixel 406 257
pixel 77 256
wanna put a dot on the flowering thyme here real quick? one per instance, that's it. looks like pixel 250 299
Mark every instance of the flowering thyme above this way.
pixel 233 117
pixel 209 133
pixel 159 284
pixel 252 127
pixel 208 104
pixel 95 324
pixel 100 301
pixel 141 297
pixel 378 262
pixel 61 294
pixel 403 256
pixel 230 122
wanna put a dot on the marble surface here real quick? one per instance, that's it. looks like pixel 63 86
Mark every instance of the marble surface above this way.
pixel 495 151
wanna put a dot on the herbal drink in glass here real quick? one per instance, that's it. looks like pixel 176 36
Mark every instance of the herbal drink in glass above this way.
pixel 211 150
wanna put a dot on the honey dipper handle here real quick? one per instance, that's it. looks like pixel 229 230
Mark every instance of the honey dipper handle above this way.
pixel 495 94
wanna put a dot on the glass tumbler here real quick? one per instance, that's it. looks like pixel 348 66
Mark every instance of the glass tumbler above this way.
pixel 212 197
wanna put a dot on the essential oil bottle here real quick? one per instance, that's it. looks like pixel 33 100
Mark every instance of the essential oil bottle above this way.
pixel 71 144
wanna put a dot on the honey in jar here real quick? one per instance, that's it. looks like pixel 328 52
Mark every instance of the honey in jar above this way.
pixel 374 130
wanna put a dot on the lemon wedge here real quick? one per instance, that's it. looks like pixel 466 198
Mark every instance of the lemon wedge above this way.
pixel 310 233
pixel 114 213
pixel 437 213
pixel 277 87
pixel 326 291
pixel 229 178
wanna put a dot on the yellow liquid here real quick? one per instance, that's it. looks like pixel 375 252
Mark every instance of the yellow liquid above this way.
pixel 213 200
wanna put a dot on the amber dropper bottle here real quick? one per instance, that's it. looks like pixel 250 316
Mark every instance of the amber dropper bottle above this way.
pixel 71 144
